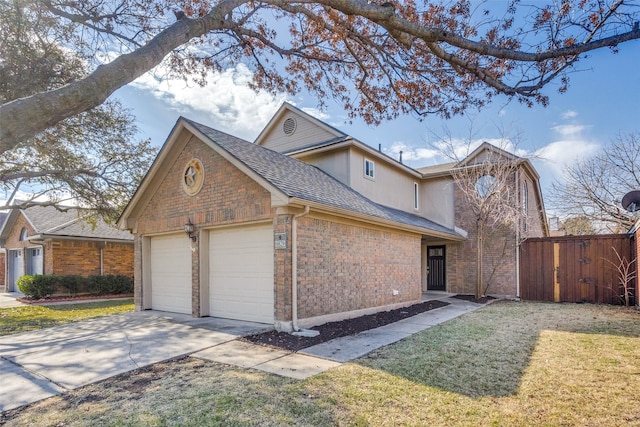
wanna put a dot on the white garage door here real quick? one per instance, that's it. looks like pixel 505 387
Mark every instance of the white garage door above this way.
pixel 171 273
pixel 241 273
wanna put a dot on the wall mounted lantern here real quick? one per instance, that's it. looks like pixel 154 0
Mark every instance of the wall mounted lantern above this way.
pixel 190 229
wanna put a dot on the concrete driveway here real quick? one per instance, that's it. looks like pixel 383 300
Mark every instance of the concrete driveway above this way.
pixel 36 365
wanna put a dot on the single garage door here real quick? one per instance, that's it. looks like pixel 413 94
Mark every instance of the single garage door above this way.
pixel 241 273
pixel 171 273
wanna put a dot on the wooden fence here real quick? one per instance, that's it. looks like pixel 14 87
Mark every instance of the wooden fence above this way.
pixel 573 268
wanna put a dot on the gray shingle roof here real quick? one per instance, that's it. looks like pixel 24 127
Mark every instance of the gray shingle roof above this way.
pixel 301 180
pixel 50 221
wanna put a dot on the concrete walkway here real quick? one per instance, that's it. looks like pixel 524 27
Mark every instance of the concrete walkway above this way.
pixel 8 299
pixel 36 365
pixel 40 364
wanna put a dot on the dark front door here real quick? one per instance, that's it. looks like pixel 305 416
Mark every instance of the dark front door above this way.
pixel 436 268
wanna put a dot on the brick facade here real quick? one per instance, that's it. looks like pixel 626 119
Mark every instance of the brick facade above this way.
pixel 3 268
pixel 69 256
pixel 227 197
pixel 84 257
pixel 344 267
pixel 500 249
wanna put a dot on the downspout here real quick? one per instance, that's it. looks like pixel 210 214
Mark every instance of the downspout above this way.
pixel 294 268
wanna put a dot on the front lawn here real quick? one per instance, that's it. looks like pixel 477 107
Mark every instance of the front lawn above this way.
pixel 29 318
pixel 508 364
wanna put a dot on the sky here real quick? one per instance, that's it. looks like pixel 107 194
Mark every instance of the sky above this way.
pixel 602 102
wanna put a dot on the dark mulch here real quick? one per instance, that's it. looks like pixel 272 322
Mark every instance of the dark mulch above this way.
pixel 472 298
pixel 332 330
pixel 79 299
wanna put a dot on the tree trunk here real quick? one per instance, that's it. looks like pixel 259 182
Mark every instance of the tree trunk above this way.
pixel 23 118
pixel 479 266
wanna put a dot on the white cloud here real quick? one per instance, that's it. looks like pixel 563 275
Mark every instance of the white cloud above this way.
pixel 570 131
pixel 226 101
pixel 411 154
pixel 555 157
pixel 445 151
pixel 569 114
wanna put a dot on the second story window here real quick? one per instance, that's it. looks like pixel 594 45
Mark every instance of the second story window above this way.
pixel 369 169
pixel 23 234
pixel 416 204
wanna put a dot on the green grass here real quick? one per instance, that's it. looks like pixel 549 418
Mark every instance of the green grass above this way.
pixel 508 364
pixel 30 318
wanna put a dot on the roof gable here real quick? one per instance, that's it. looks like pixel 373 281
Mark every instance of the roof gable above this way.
pixel 290 181
pixel 291 128
pixel 48 221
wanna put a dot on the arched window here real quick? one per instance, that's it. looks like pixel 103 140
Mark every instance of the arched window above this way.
pixel 23 234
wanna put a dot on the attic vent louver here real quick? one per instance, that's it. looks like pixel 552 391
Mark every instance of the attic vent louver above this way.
pixel 289 126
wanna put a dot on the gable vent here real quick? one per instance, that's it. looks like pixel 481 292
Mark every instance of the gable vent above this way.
pixel 289 126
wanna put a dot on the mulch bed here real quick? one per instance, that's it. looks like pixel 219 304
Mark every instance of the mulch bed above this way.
pixel 332 330
pixel 84 298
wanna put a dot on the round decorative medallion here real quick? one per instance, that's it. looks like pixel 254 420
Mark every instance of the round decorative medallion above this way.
pixel 193 177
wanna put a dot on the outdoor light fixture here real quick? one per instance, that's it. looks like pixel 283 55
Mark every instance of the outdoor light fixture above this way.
pixel 190 229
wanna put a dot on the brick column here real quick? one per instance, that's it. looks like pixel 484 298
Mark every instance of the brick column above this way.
pixel 138 292
pixel 195 277
pixel 282 271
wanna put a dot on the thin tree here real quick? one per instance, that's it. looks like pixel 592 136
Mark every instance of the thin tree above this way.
pixel 489 190
pixel 593 188
pixel 377 60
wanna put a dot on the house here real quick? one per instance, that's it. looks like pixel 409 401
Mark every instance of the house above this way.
pixel 305 225
pixel 3 255
pixel 45 240
pixel 635 255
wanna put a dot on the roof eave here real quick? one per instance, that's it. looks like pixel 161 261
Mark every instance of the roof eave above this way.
pixel 346 213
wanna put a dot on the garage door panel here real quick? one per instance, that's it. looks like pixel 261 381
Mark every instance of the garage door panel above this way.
pixel 241 273
pixel 170 274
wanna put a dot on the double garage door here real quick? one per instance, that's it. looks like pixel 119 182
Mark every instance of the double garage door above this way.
pixel 240 281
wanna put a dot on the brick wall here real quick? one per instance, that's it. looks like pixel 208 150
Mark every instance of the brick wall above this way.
pixel 73 256
pixel 282 270
pixel 344 267
pixel 13 239
pixel 228 196
pixel 3 269
pixel 83 257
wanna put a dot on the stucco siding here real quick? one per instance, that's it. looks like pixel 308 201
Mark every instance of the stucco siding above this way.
pixel 390 186
pixel 437 200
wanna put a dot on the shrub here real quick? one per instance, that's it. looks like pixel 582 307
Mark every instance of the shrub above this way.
pixel 111 284
pixel 37 287
pixel 73 284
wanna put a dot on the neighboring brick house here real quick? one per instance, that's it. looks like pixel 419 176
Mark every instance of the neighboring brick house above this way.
pixel 45 240
pixel 304 226
pixel 3 254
